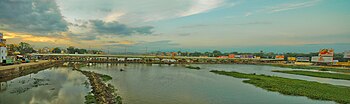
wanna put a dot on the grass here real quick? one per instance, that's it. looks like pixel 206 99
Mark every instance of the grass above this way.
pixel 105 78
pixel 312 67
pixel 90 99
pixel 193 67
pixel 316 74
pixel 295 87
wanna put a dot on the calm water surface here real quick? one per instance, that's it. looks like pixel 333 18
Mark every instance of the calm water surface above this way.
pixel 153 84
pixel 164 84
pixel 51 86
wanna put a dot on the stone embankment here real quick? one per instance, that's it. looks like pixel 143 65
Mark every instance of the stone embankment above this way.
pixel 104 94
pixel 13 71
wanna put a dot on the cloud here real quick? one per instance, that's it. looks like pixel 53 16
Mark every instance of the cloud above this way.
pixel 184 34
pixel 201 6
pixel 254 23
pixel 248 14
pixel 34 16
pixel 116 28
pixel 93 29
pixel 125 42
pixel 153 44
pixel 227 24
pixel 194 26
pixel 139 47
pixel 113 16
pixel 136 11
pixel 83 36
pixel 38 40
pixel 290 6
pixel 284 7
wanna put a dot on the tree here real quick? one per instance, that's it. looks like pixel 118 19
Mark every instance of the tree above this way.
pixel 196 54
pixel 25 48
pixel 81 51
pixel 217 53
pixel 11 48
pixel 71 50
pixel 56 50
pixel 95 51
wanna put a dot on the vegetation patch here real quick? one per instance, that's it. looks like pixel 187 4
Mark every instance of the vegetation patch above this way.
pixel 312 67
pixel 193 67
pixel 105 78
pixel 296 87
pixel 90 99
pixel 102 93
pixel 316 74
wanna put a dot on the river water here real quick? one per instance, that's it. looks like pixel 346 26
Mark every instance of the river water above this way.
pixel 154 84
pixel 51 86
pixel 174 84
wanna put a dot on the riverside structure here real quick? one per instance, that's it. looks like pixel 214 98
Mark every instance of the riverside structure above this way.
pixel 94 58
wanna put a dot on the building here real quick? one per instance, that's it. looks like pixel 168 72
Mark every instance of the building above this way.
pixel 3 49
pixel 44 50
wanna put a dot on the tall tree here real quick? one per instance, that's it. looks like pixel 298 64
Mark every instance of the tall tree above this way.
pixel 25 48
pixel 56 50
pixel 71 50
pixel 82 51
pixel 217 53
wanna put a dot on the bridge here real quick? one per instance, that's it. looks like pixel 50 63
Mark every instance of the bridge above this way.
pixel 98 58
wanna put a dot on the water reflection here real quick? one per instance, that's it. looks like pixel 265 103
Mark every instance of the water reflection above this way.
pixel 260 69
pixel 164 84
pixel 51 86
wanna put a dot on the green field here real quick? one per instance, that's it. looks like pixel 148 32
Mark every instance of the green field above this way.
pixel 316 74
pixel 312 67
pixel 312 90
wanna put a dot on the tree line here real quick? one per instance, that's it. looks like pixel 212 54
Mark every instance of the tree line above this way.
pixel 25 48
pixel 216 53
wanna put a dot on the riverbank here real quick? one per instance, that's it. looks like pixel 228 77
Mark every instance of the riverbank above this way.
pixel 320 68
pixel 313 90
pixel 13 71
pixel 316 74
pixel 101 93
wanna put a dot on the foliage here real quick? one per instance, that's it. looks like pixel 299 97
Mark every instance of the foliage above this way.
pixel 90 99
pixel 105 77
pixel 119 100
pixel 296 87
pixel 71 50
pixel 25 48
pixel 22 47
pixel 312 67
pixel 56 50
pixel 316 74
pixel 193 67
pixel 81 51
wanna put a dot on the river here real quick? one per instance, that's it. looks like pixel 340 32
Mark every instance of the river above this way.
pixel 154 84
pixel 164 84
pixel 57 85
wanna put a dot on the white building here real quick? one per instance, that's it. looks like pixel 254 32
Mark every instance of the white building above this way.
pixel 3 49
pixel 3 53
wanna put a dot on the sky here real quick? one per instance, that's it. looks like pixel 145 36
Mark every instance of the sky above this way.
pixel 186 25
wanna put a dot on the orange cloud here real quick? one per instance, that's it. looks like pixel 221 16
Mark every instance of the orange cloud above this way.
pixel 38 39
pixel 126 42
